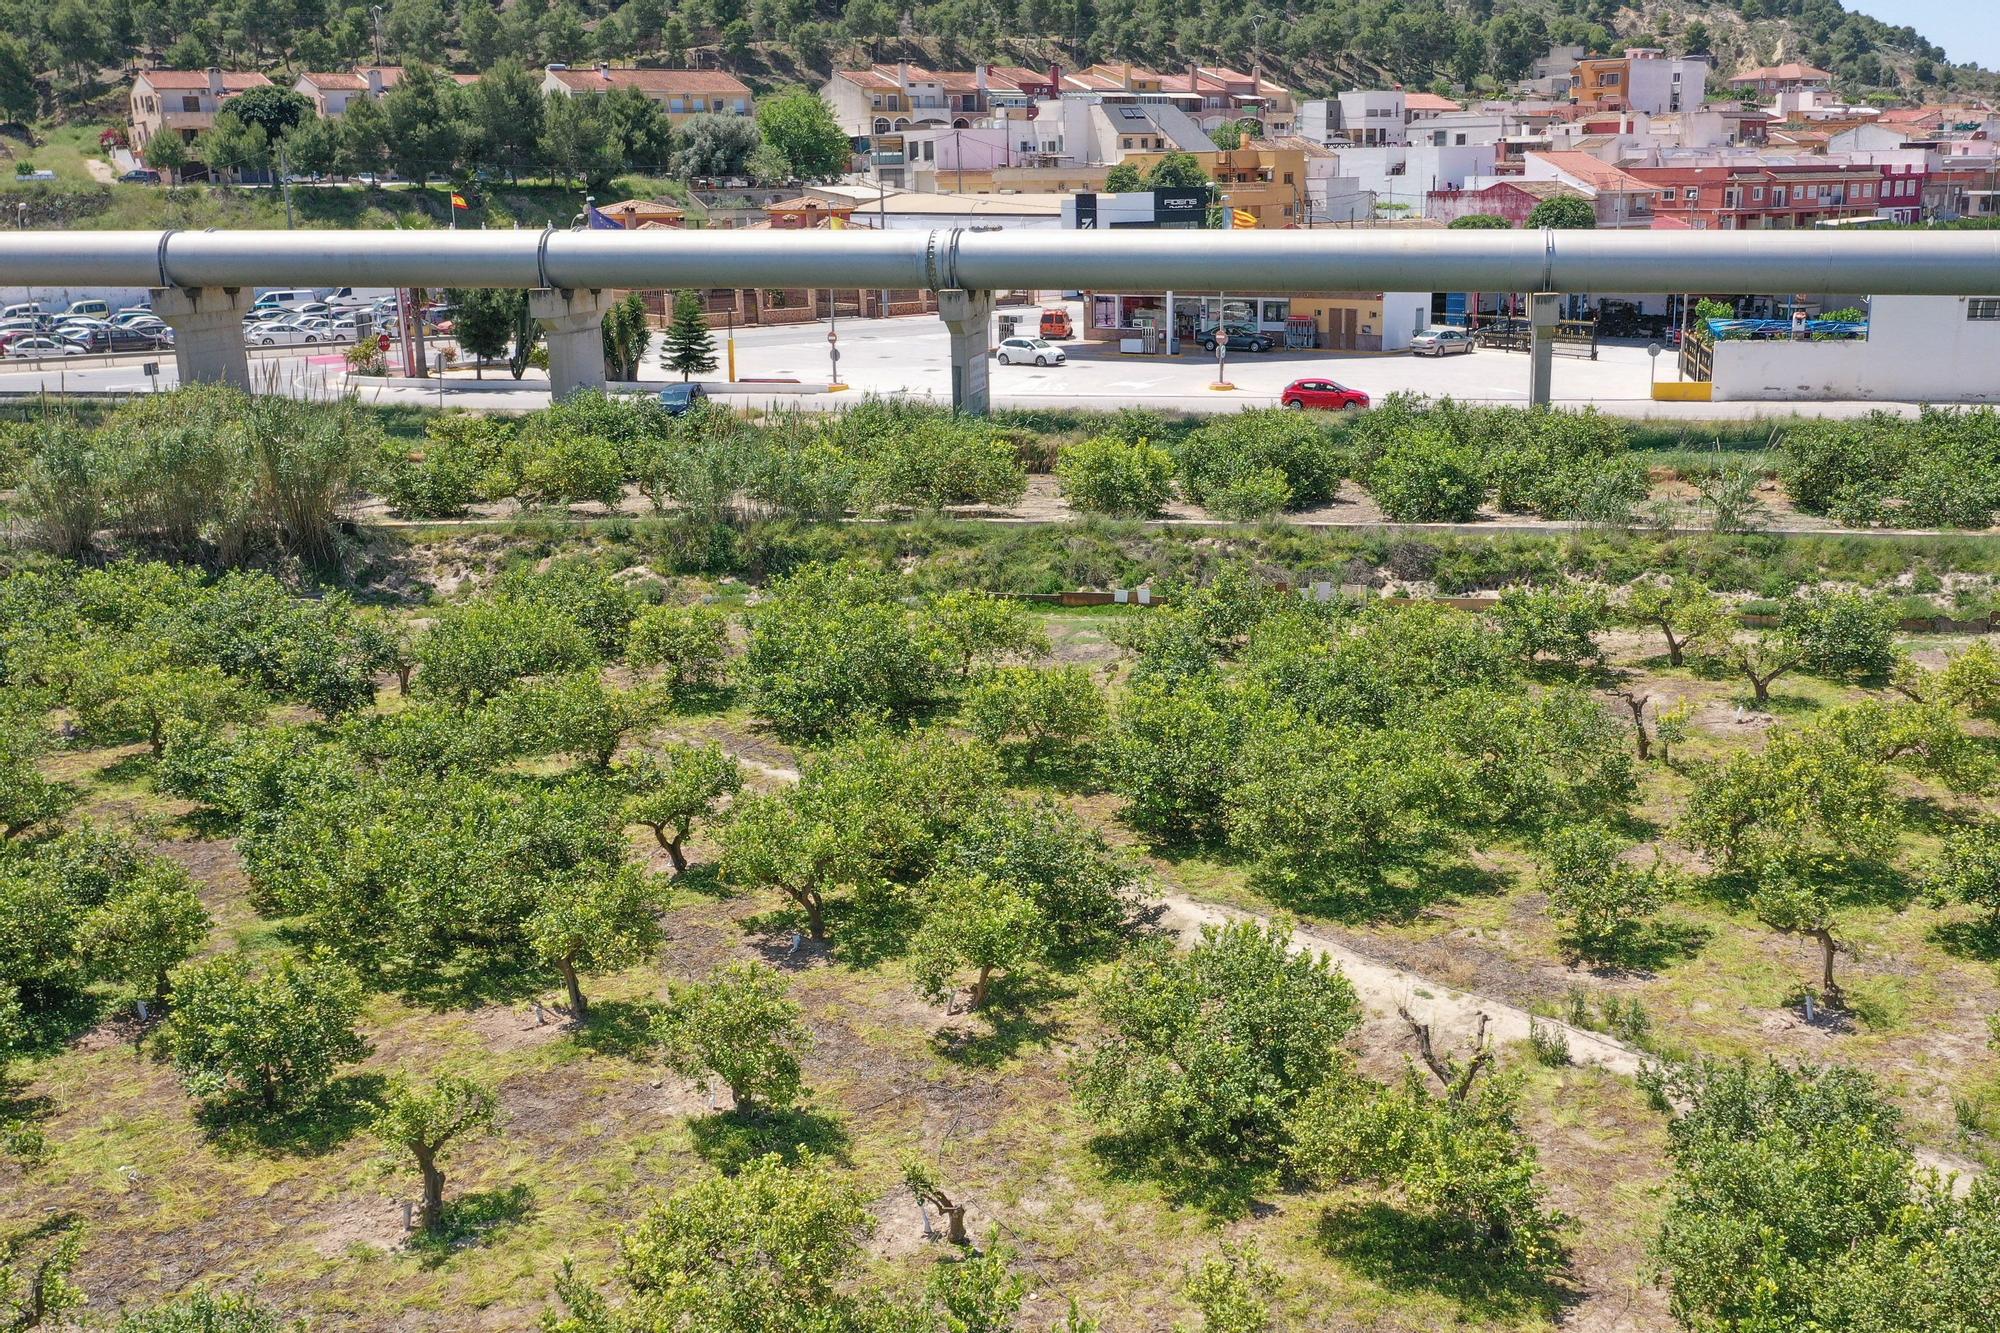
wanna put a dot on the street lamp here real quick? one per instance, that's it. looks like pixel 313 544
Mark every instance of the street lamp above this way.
pixel 376 11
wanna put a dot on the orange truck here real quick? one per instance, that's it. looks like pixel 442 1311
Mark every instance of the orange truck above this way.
pixel 1055 324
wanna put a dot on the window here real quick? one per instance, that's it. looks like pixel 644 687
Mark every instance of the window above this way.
pixel 1668 196
pixel 1694 193
pixel 1865 191
pixel 1983 308
pixel 881 124
pixel 877 101
pixel 190 104
pixel 1756 194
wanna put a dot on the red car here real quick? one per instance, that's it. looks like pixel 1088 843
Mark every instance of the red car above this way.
pixel 1325 395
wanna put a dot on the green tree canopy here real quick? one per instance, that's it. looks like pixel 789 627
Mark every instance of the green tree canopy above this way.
pixel 799 124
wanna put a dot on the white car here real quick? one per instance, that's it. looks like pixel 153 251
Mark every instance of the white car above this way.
pixel 280 334
pixel 352 328
pixel 45 346
pixel 1016 351
pixel 1441 342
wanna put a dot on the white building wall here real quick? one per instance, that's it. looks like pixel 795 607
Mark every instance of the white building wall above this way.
pixel 1919 349
pixel 1403 314
pixel 1406 175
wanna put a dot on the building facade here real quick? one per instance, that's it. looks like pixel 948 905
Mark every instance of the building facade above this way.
pixel 681 93
pixel 183 102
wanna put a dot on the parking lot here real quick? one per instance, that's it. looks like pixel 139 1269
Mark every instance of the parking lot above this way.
pixel 907 357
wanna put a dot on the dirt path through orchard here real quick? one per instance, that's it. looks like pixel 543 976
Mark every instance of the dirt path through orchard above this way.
pixel 1383 988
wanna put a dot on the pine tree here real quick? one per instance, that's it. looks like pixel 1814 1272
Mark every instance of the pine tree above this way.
pixel 690 346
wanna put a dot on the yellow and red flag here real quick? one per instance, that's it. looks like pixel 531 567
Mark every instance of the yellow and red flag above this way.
pixel 1242 217
pixel 458 200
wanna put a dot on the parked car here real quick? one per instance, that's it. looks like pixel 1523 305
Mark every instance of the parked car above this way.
pixel 42 345
pixel 1241 337
pixel 353 328
pixel 1055 324
pixel 117 337
pixel 277 334
pixel 20 326
pixel 122 339
pixel 1014 351
pixel 1325 395
pixel 88 309
pixel 680 399
pixel 136 318
pixel 345 298
pixel 24 310
pixel 140 176
pixel 1441 342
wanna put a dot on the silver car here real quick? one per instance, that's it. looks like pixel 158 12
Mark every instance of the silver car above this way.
pixel 284 333
pixel 1441 342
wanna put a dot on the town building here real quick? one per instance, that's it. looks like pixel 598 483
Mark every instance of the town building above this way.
pixel 681 93
pixel 1644 78
pixel 183 102
pixel 1512 200
pixel 1771 80
pixel 1779 196
pixel 332 93
pixel 1620 198
pixel 1213 96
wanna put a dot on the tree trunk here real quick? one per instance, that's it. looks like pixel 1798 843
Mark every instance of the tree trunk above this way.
pixel 432 1210
pixel 815 911
pixel 579 1007
pixel 1762 685
pixel 1828 987
pixel 672 847
pixel 1637 703
pixel 403 679
pixel 980 987
pixel 954 1224
pixel 1675 647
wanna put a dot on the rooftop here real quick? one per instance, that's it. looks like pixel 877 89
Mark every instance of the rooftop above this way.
pixel 1594 172
pixel 652 80
pixel 1789 72
pixel 233 80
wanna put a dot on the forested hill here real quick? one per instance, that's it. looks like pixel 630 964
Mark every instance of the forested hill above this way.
pixel 64 53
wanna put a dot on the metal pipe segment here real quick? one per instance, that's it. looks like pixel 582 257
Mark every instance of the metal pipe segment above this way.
pixel 1869 263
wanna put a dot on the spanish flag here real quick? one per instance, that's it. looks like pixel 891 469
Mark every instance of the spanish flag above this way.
pixel 1242 217
pixel 836 223
pixel 458 200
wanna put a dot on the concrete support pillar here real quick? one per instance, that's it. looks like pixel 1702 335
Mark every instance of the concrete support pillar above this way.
pixel 572 321
pixel 208 333
pixel 1542 311
pixel 969 316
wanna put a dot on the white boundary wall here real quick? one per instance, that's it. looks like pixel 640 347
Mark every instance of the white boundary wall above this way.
pixel 1919 349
